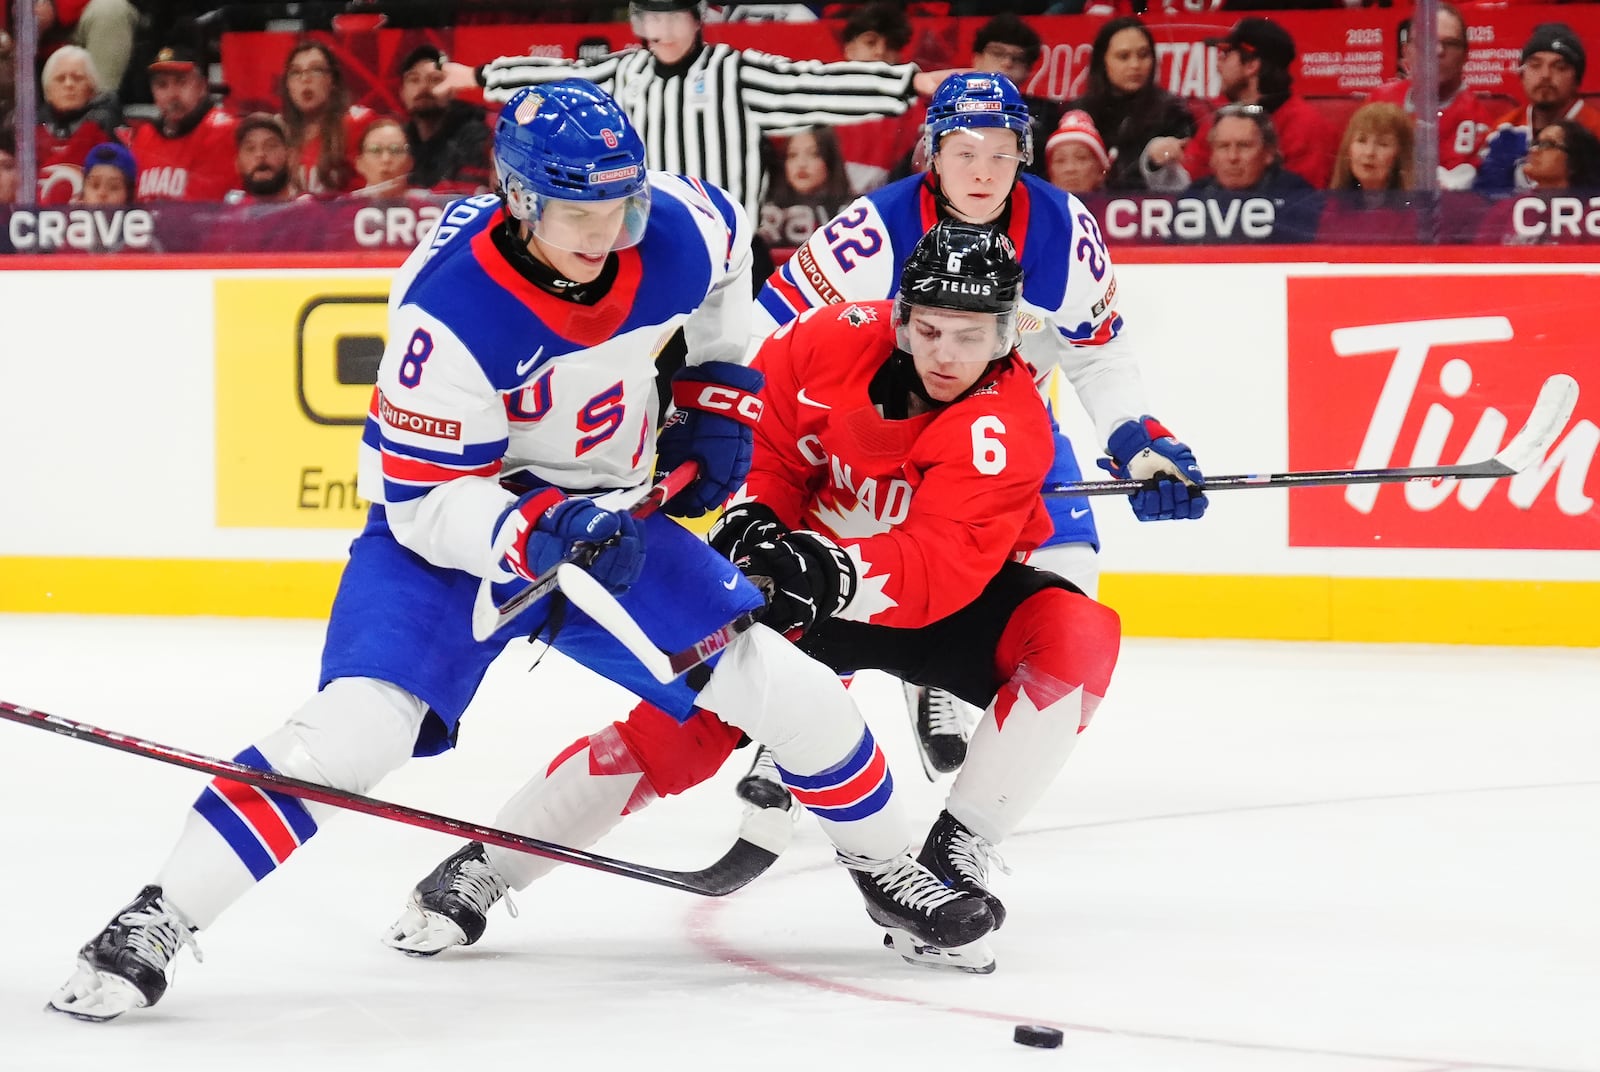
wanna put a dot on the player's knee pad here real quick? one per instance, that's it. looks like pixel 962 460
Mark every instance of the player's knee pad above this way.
pixel 675 756
pixel 776 693
pixel 1063 637
pixel 351 734
pixel 1075 562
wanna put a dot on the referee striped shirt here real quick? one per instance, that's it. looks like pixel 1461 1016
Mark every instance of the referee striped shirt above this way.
pixel 705 116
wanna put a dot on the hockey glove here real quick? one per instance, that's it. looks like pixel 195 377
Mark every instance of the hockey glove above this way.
pixel 810 577
pixel 549 528
pixel 743 526
pixel 1504 150
pixel 1144 450
pixel 714 424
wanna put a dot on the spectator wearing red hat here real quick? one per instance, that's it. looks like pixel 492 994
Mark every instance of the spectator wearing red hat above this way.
pixel 187 154
pixel 109 174
pixel 1076 157
pixel 324 127
pixel 1253 63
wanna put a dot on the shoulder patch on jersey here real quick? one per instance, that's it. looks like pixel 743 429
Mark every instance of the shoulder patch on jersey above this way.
pixel 1105 301
pixel 406 420
pixel 858 317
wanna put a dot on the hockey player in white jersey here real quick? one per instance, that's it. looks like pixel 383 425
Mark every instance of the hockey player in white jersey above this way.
pixel 520 346
pixel 978 142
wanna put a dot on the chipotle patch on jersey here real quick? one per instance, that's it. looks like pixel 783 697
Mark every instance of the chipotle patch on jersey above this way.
pixel 1445 374
pixel 416 423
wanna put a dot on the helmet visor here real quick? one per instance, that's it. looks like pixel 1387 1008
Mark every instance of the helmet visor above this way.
pixel 593 226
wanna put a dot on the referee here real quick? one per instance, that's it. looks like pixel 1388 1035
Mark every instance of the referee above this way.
pixel 703 109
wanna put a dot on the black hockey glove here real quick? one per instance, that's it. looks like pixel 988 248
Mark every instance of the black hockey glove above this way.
pixel 743 526
pixel 810 577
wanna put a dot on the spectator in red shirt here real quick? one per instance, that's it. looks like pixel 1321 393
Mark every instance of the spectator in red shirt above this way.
pixel 324 127
pixel 449 139
pixel 186 155
pixel 1464 116
pixel 74 117
pixel 109 173
pixel 1253 62
pixel 262 161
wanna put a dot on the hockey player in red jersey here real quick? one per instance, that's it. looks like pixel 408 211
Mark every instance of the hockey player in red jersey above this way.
pixel 895 480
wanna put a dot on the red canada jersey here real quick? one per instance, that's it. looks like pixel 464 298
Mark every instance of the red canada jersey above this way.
pixel 195 166
pixel 929 507
pixel 1464 121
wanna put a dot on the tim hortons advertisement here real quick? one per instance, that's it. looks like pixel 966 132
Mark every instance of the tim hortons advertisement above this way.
pixel 1390 371
pixel 296 360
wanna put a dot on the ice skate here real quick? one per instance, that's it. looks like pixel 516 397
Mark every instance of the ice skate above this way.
pixel 960 859
pixel 974 957
pixel 904 896
pixel 125 966
pixel 939 720
pixel 451 905
pixel 762 787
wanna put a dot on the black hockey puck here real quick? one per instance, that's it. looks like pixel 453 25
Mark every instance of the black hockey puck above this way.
pixel 1044 1038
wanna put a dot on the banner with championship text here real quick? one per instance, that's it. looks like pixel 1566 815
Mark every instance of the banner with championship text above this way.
pixel 296 360
pixel 1445 373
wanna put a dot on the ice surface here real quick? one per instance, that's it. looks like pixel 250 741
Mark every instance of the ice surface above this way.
pixel 1295 858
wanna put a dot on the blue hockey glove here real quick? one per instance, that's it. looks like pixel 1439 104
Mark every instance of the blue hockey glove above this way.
pixel 806 577
pixel 1144 450
pixel 743 526
pixel 549 527
pixel 1497 171
pixel 714 424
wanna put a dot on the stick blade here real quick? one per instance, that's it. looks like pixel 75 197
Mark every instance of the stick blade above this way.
pixel 590 596
pixel 1551 411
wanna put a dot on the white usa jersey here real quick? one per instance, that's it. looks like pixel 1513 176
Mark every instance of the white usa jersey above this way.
pixel 485 373
pixel 1067 316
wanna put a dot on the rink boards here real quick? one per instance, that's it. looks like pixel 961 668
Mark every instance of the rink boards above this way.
pixel 182 440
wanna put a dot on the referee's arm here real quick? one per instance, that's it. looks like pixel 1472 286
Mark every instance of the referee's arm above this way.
pixel 783 94
pixel 502 77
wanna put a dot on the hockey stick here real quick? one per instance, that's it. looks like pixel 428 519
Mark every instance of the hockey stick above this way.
pixel 1550 413
pixel 761 839
pixel 488 618
pixel 590 596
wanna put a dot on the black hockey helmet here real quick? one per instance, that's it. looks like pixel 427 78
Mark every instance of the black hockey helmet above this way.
pixel 966 267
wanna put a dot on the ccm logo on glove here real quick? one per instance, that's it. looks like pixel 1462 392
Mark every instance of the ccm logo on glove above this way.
pixel 717 399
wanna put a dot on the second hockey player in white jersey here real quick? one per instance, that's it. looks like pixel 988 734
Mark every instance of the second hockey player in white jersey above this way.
pixel 979 142
pixel 520 353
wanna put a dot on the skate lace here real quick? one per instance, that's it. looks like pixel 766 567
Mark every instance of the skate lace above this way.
pixel 765 767
pixel 906 881
pixel 944 714
pixel 972 856
pixel 480 884
pixel 156 933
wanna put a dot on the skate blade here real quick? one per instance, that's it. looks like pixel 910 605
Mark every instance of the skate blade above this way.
pixel 95 997
pixel 420 933
pixel 975 958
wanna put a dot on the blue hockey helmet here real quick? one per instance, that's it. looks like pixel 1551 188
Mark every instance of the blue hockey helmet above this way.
pixel 570 141
pixel 977 99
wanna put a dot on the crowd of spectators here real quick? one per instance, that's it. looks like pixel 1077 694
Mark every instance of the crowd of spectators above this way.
pixel 1124 135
